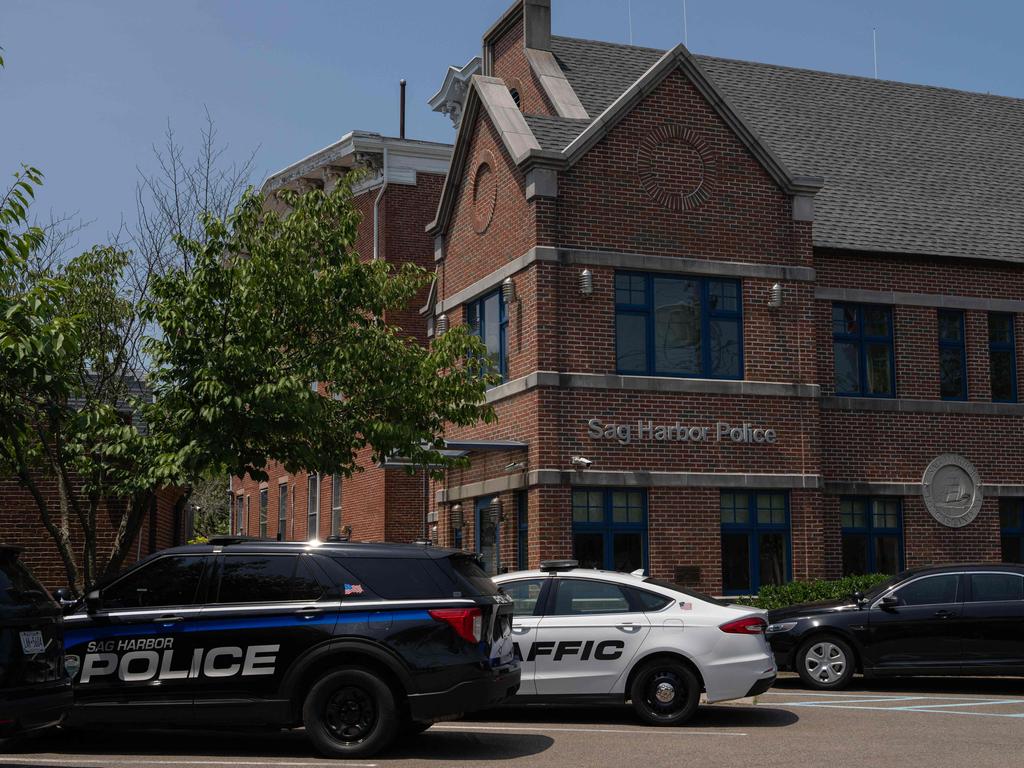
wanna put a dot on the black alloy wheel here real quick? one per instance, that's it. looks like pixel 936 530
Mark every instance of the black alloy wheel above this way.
pixel 665 693
pixel 350 713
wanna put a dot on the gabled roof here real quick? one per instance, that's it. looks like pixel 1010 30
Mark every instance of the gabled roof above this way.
pixel 908 168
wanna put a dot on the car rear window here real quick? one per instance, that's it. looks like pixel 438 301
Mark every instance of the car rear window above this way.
pixel 17 584
pixel 397 578
pixel 468 570
pixel 685 591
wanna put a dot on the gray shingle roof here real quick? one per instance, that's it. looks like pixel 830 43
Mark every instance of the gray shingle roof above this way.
pixel 907 168
pixel 555 133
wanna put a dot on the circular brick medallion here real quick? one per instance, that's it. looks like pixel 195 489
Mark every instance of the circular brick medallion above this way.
pixel 485 192
pixel 676 167
pixel 952 490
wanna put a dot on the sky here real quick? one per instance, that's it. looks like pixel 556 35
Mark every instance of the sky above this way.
pixel 90 85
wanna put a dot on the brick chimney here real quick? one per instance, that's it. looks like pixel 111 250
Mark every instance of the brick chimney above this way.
pixel 537 24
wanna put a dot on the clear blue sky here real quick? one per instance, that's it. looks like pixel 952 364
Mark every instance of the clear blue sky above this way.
pixel 89 86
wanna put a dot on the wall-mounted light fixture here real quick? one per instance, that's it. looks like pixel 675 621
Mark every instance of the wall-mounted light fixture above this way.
pixel 775 296
pixel 508 291
pixel 456 517
pixel 496 511
pixel 442 324
pixel 586 282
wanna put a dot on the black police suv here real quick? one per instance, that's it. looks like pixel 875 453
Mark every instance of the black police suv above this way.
pixel 35 690
pixel 953 620
pixel 357 642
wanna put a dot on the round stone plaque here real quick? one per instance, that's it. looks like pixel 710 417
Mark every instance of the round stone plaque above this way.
pixel 952 490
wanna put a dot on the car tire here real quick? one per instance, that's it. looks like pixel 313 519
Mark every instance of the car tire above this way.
pixel 825 663
pixel 350 713
pixel 665 693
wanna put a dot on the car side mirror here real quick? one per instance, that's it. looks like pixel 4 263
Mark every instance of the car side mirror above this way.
pixel 889 601
pixel 93 602
pixel 65 598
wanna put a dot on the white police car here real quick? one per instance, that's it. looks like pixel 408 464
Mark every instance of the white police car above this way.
pixel 586 636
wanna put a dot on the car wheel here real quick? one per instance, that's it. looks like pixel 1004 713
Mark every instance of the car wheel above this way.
pixel 665 693
pixel 825 663
pixel 350 713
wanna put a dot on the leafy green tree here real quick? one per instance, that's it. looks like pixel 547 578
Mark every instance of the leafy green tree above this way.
pixel 273 302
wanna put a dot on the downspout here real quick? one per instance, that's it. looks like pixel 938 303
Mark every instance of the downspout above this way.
pixel 376 209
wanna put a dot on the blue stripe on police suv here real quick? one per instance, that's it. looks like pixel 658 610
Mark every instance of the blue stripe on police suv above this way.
pixel 74 637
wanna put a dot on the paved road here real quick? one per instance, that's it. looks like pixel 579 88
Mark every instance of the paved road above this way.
pixel 927 723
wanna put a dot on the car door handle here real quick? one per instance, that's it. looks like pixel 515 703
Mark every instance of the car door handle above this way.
pixel 170 619
pixel 944 614
pixel 309 611
pixel 520 630
pixel 630 628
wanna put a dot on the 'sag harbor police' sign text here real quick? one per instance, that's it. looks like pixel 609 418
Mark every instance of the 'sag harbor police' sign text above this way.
pixel 643 429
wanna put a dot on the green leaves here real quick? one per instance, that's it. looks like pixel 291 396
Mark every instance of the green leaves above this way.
pixel 274 302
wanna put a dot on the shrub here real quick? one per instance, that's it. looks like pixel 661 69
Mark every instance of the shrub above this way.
pixel 795 592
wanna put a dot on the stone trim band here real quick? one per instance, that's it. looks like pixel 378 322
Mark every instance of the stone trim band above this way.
pixel 943 301
pixel 623 260
pixel 627 480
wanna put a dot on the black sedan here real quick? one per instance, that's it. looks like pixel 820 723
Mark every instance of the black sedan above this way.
pixel 954 620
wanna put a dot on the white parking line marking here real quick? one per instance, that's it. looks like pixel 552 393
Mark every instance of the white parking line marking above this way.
pixel 537 729
pixel 104 762
pixel 817 705
pixel 982 703
pixel 872 700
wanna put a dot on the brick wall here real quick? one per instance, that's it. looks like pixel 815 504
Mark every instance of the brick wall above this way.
pixel 21 525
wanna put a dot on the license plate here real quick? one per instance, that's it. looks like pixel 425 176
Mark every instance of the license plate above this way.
pixel 32 642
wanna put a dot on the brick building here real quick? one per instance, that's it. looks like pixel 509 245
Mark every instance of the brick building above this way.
pixel 397 198
pixel 167 525
pixel 753 323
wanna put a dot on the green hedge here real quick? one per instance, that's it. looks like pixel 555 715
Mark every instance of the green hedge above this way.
pixel 797 592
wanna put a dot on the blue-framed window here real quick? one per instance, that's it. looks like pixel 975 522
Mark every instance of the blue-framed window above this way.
pixel 488 536
pixel 1002 356
pixel 1011 525
pixel 872 533
pixel 668 325
pixel 523 531
pixel 755 540
pixel 488 319
pixel 609 528
pixel 952 355
pixel 862 348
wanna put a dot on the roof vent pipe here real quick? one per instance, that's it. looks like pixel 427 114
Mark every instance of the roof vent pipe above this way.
pixel 401 111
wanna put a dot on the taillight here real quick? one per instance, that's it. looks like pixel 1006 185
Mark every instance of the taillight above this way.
pixel 468 623
pixel 752 625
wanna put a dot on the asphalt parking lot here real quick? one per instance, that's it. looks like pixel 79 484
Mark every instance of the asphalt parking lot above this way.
pixel 928 722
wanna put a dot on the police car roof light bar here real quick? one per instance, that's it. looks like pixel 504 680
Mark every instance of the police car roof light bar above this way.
pixel 554 566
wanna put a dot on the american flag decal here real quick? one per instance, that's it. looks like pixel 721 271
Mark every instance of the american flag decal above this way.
pixel 353 589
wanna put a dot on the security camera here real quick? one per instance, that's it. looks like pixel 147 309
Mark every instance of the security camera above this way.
pixel 581 462
pixel 515 466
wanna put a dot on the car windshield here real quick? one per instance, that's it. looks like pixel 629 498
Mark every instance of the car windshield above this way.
pixel 685 591
pixel 874 592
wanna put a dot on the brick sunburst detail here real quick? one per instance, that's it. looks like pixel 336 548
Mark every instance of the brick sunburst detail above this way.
pixel 485 192
pixel 676 167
